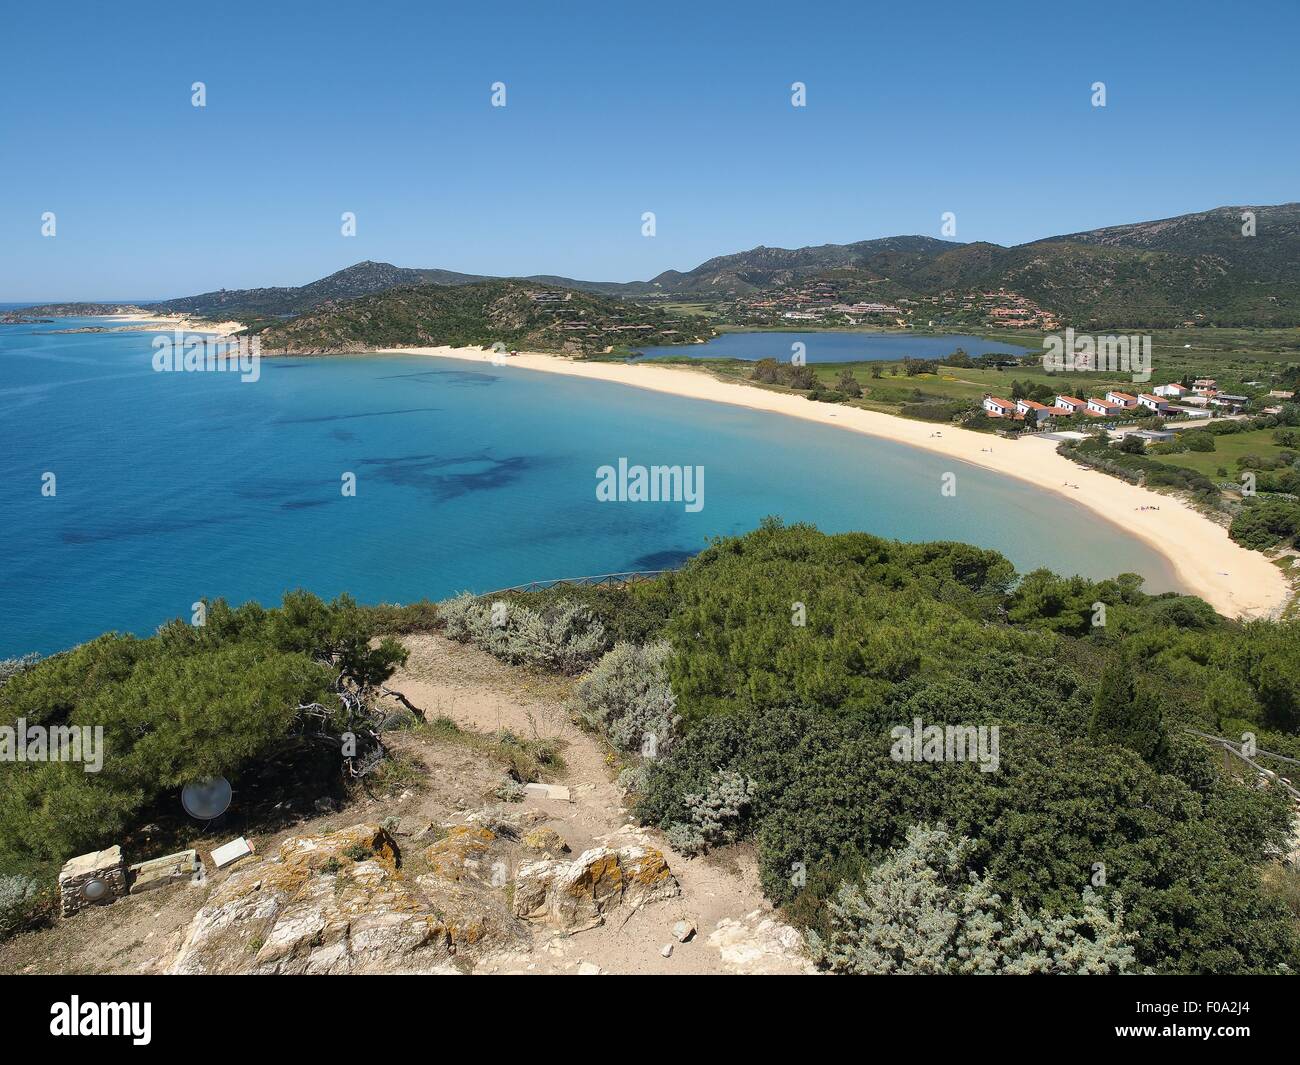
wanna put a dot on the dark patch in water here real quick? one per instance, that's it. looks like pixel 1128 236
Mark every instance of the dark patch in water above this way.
pixel 146 528
pixel 342 434
pixel 346 417
pixel 303 504
pixel 662 559
pixel 425 472
pixel 452 377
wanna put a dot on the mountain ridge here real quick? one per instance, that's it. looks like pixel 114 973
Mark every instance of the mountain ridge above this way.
pixel 1186 269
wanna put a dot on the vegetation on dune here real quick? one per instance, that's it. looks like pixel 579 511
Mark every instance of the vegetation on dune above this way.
pixel 1106 829
pixel 771 675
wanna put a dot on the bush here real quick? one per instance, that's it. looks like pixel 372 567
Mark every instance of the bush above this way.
pixel 716 815
pixel 1264 523
pixel 802 705
pixel 628 698
pixel 186 704
pixel 563 637
pixel 25 902
pixel 924 911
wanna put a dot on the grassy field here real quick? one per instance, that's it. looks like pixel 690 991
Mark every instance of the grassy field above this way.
pixel 1227 450
pixel 1247 359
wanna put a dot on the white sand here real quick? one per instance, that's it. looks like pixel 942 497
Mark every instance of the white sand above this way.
pixel 1237 582
pixel 179 321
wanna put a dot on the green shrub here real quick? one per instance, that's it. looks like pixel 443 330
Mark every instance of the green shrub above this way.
pixel 924 911
pixel 563 637
pixel 628 697
pixel 1265 523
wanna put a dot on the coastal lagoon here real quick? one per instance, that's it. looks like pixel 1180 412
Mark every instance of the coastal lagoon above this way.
pixel 171 487
pixel 834 346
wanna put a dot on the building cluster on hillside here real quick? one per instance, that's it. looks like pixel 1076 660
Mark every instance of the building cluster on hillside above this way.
pixel 1192 402
pixel 581 327
pixel 850 301
pixel 1001 309
pixel 817 301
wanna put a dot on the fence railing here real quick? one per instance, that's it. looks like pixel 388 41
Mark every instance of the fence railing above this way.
pixel 627 577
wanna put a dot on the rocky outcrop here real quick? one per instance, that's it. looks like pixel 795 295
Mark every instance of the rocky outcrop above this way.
pixel 573 896
pixel 758 943
pixel 340 902
pixel 333 903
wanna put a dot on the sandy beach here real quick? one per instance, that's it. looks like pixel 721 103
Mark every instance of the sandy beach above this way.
pixel 1235 581
pixel 179 321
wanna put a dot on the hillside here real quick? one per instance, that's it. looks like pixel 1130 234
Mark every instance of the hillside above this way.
pixel 513 313
pixel 762 267
pixel 1194 269
pixel 940 723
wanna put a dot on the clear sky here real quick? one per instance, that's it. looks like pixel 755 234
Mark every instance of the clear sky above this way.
pixel 612 109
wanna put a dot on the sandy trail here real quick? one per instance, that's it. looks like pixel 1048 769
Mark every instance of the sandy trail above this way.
pixel 476 691
pixel 1237 582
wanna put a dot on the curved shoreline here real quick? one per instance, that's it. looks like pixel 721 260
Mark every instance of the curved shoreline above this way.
pixel 1237 582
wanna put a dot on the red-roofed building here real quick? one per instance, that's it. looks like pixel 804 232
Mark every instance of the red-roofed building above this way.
pixel 998 408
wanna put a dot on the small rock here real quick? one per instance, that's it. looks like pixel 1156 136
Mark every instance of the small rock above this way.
pixel 666 950
pixel 548 791
pixel 588 968
pixel 231 852
pixel 683 931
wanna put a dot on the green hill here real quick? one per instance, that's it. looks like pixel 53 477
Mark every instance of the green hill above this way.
pixel 516 314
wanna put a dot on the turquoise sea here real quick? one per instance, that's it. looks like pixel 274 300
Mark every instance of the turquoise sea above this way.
pixel 176 486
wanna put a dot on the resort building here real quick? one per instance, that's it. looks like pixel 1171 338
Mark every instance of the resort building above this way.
pixel 1123 399
pixel 1070 403
pixel 1155 436
pixel 998 408
pixel 1173 391
pixel 1154 403
pixel 1035 412
pixel 1105 408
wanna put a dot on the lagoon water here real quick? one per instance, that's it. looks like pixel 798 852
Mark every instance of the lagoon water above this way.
pixel 830 345
pixel 176 486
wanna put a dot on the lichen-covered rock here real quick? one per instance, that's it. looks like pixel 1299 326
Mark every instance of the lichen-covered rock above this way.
pixel 584 889
pixel 532 888
pixel 573 896
pixel 545 841
pixel 338 903
pixel 466 852
pixel 647 877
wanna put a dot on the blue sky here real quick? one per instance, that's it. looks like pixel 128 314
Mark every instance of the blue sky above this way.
pixel 383 109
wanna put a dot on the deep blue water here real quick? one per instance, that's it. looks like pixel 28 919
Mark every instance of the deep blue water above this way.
pixel 832 346
pixel 172 487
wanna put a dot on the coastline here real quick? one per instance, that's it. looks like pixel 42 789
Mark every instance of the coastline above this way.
pixel 1237 582
pixel 179 321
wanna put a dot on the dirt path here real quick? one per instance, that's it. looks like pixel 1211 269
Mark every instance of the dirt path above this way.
pixel 737 930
